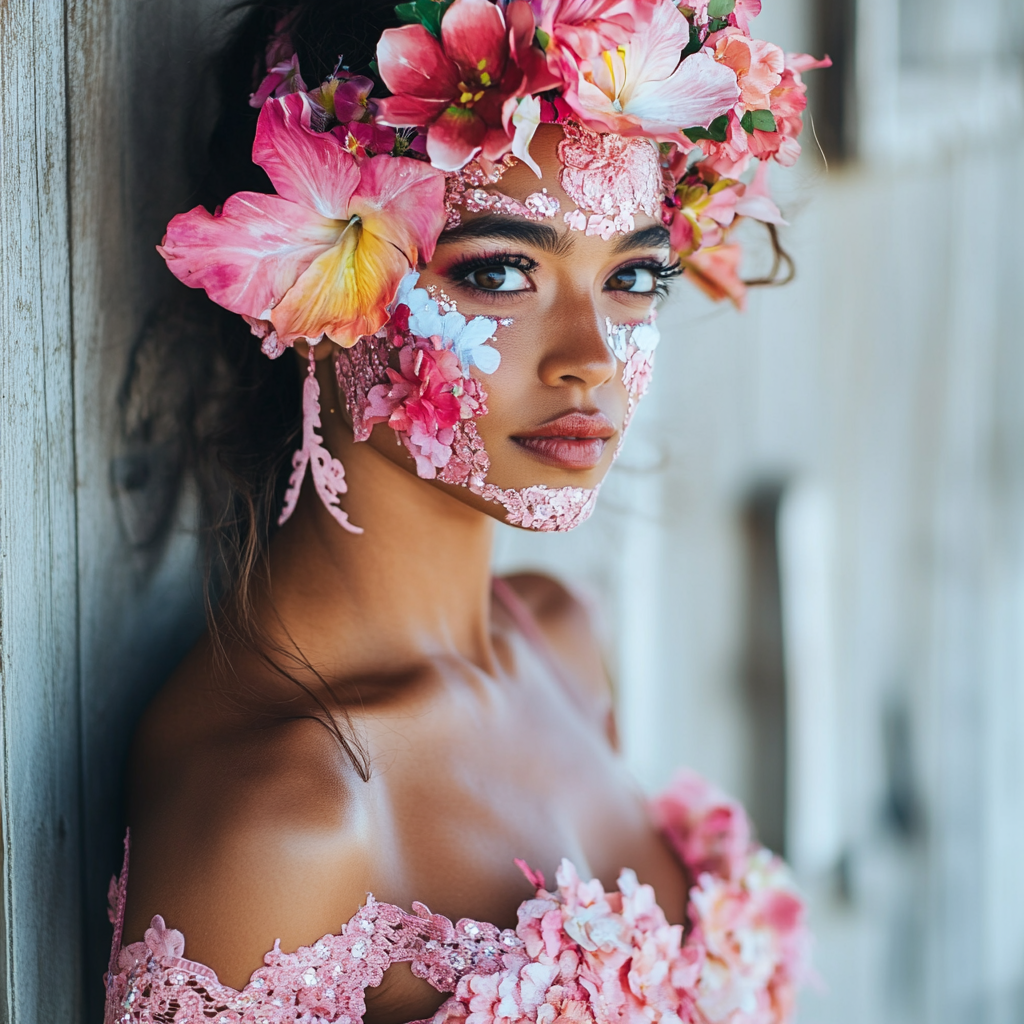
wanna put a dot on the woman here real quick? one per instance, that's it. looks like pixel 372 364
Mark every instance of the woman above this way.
pixel 467 271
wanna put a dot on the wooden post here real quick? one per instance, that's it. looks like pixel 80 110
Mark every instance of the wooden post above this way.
pixel 39 700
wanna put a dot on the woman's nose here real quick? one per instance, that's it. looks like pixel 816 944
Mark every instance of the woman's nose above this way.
pixel 577 352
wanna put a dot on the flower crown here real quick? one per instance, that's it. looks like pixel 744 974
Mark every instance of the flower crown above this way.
pixel 682 97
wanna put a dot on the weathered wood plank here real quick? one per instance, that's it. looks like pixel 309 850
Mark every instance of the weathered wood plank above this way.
pixel 138 62
pixel 38 591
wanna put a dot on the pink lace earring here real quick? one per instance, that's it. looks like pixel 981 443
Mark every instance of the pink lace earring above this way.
pixel 328 472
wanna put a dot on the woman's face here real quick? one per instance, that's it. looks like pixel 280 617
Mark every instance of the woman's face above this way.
pixel 557 404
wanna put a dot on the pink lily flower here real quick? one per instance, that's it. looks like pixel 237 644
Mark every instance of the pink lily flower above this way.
pixel 458 87
pixel 642 87
pixel 326 254
pixel 586 28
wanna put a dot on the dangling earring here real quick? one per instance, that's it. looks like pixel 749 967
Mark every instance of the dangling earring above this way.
pixel 328 472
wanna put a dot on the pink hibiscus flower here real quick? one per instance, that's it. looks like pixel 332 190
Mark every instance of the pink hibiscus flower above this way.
pixel 325 255
pixel 464 87
pixel 643 88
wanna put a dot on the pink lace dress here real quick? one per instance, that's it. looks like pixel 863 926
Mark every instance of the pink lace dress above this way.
pixel 579 955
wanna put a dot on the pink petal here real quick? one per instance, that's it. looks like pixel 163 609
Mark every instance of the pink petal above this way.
pixel 697 92
pixel 473 33
pixel 654 51
pixel 411 62
pixel 805 62
pixel 455 138
pixel 402 200
pixel 250 253
pixel 311 168
pixel 409 111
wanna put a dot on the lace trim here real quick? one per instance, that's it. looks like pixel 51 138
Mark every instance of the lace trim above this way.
pixel 566 961
pixel 321 983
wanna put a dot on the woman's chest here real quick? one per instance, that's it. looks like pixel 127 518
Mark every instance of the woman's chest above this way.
pixel 488 776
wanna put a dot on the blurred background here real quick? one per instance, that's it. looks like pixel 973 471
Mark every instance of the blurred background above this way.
pixel 810 559
pixel 808 566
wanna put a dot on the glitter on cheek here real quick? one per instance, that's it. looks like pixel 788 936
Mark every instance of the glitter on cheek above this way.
pixel 633 344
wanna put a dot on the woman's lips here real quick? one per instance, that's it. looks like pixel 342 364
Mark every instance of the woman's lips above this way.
pixel 575 440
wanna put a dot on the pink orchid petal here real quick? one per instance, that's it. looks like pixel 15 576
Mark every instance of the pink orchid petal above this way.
pixel 402 201
pixel 311 168
pixel 250 253
pixel 473 33
pixel 455 138
pixel 411 62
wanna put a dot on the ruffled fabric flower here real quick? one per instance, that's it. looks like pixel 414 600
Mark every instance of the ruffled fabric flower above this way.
pixel 463 87
pixel 426 397
pixel 591 957
pixel 326 254
pixel 642 86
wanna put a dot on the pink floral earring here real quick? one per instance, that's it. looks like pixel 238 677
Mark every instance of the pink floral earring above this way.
pixel 328 472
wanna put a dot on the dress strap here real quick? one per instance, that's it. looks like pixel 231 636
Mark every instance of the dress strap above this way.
pixel 527 624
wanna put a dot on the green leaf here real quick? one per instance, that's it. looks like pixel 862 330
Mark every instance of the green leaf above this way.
pixel 717 24
pixel 717 131
pixel 543 38
pixel 759 120
pixel 695 43
pixel 427 13
pixel 719 128
pixel 721 8
pixel 374 68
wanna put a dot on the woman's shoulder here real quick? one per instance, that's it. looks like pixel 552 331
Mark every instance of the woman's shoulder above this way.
pixel 249 839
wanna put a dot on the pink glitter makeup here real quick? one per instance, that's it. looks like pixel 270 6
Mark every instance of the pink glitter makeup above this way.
pixel 611 177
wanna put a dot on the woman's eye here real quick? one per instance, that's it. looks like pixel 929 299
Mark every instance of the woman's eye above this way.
pixel 499 278
pixel 633 279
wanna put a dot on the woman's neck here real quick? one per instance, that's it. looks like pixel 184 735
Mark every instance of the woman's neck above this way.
pixel 415 583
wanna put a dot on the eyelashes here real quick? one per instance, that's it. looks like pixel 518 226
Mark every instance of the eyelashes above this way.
pixel 463 272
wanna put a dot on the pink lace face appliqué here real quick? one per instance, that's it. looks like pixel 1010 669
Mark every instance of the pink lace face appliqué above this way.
pixel 610 177
pixel 468 190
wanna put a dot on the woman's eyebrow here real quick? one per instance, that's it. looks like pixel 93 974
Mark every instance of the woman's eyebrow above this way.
pixel 654 237
pixel 511 229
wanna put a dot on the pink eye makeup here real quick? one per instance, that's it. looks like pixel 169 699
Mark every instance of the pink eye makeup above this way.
pixel 493 273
